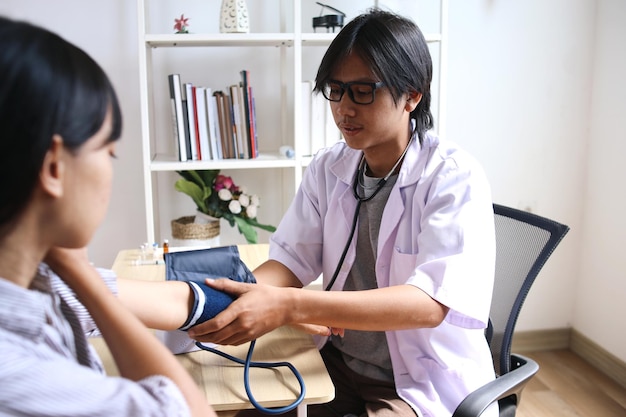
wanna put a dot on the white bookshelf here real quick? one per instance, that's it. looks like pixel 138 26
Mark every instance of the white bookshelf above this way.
pixel 278 57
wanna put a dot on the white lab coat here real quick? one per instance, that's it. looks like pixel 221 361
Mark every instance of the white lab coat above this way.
pixel 437 233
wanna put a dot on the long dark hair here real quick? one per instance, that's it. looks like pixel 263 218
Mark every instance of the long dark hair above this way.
pixel 47 86
pixel 396 51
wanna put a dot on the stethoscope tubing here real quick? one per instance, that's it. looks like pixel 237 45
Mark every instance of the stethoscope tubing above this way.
pixel 248 363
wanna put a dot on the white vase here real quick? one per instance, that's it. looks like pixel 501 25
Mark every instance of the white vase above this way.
pixel 234 17
pixel 203 218
pixel 201 231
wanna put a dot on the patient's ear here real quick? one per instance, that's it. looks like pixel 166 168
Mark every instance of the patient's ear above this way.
pixel 53 168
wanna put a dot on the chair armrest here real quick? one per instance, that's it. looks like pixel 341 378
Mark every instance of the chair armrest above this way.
pixel 510 383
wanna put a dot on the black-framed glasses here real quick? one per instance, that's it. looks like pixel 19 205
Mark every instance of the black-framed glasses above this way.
pixel 359 92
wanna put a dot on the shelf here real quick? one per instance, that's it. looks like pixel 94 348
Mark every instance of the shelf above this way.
pixel 263 161
pixel 317 39
pixel 324 39
pixel 285 58
pixel 219 39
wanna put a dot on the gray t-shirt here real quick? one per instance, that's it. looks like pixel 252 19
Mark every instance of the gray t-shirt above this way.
pixel 367 352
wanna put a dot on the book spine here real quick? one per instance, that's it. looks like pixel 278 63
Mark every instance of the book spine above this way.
pixel 230 124
pixel 237 129
pixel 191 121
pixel 213 124
pixel 254 141
pixel 196 123
pixel 205 146
pixel 178 119
pixel 247 99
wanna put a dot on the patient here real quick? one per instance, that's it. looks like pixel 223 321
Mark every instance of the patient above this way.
pixel 60 120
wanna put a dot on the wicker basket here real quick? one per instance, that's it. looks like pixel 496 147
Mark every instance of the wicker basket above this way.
pixel 184 228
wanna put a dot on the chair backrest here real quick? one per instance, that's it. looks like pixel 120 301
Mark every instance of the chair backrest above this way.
pixel 524 242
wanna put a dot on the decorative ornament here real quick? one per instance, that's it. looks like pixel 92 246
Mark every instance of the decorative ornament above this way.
pixel 234 17
pixel 180 25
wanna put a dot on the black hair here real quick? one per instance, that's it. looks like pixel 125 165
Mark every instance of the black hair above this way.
pixel 48 86
pixel 396 51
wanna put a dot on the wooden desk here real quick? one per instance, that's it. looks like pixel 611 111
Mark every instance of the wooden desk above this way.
pixel 221 379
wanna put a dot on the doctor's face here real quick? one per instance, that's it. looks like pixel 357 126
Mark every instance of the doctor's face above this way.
pixel 380 126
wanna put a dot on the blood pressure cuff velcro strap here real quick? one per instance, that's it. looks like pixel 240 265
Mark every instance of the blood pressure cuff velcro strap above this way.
pixel 195 266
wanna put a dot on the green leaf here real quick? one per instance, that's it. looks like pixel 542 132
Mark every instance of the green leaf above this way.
pixel 196 193
pixel 196 178
pixel 208 176
pixel 267 227
pixel 186 175
pixel 246 229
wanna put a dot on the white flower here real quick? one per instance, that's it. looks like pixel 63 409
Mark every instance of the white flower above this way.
pixel 251 211
pixel 254 200
pixel 234 207
pixel 224 194
pixel 244 200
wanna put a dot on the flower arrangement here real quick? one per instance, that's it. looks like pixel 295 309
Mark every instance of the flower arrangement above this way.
pixel 180 25
pixel 217 196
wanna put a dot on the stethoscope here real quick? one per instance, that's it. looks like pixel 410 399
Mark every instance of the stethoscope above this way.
pixel 360 171
pixel 248 363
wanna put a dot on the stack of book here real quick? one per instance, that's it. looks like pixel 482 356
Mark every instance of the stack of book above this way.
pixel 211 125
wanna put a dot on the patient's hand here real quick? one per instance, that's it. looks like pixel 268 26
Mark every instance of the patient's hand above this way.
pixel 66 263
pixel 314 329
pixel 318 330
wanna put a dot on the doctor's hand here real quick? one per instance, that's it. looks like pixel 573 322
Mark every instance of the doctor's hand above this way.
pixel 256 310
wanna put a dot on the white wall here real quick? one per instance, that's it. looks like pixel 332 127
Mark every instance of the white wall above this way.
pixel 601 290
pixel 535 92
pixel 107 30
pixel 519 99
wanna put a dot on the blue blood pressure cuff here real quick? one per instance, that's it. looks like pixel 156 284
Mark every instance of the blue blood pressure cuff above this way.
pixel 195 266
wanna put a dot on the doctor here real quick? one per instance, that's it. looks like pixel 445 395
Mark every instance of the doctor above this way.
pixel 400 224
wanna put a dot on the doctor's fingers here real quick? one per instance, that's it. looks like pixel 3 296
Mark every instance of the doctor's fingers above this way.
pixel 229 286
pixel 235 333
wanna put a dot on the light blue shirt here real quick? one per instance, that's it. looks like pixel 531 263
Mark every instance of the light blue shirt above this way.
pixel 436 233
pixel 40 373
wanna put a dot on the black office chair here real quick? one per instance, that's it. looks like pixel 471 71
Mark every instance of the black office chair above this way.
pixel 524 242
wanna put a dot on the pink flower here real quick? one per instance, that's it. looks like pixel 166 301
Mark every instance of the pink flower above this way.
pixel 222 181
pixel 180 25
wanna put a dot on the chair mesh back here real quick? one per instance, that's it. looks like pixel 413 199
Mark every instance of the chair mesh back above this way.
pixel 524 242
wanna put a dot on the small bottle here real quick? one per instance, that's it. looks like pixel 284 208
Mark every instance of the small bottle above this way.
pixel 166 246
pixel 144 251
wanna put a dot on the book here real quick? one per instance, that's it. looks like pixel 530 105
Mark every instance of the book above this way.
pixel 239 121
pixel 191 121
pixel 230 124
pixel 178 117
pixel 203 130
pixel 213 125
pixel 186 121
pixel 254 141
pixel 224 122
pixel 249 111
